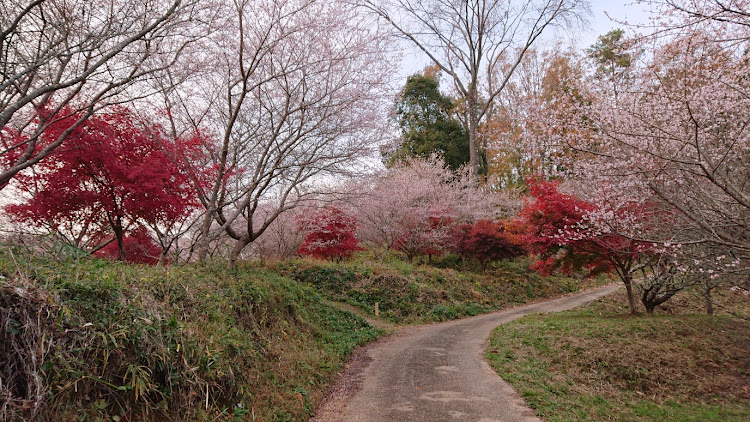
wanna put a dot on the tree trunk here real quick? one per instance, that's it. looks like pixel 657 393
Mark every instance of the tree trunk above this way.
pixel 651 298
pixel 709 302
pixel 120 236
pixel 234 254
pixel 205 241
pixel 162 258
pixel 473 133
pixel 628 280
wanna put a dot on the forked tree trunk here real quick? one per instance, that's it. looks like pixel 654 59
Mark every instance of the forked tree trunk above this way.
pixel 234 254
pixel 651 298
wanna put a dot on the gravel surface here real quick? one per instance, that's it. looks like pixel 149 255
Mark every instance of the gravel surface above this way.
pixel 435 372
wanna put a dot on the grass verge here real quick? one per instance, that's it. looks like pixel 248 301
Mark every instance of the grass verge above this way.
pixel 408 293
pixel 599 364
pixel 100 341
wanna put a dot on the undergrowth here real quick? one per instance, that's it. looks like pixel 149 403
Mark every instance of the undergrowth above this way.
pixel 92 340
pixel 409 293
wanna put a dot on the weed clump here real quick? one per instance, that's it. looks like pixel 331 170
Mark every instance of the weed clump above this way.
pixel 24 340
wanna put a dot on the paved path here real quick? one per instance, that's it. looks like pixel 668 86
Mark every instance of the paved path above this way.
pixel 437 372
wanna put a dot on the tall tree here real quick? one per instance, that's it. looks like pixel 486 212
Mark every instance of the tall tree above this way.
pixel 477 43
pixel 300 99
pixel 612 56
pixel 531 127
pixel 60 55
pixel 679 134
pixel 428 124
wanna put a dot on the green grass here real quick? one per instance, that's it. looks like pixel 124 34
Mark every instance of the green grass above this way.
pixel 124 342
pixel 410 293
pixel 600 364
pixel 102 341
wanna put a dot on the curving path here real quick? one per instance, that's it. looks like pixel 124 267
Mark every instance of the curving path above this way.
pixel 436 372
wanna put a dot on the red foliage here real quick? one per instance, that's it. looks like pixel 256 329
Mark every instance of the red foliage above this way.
pixel 329 234
pixel 555 228
pixel 485 241
pixel 430 235
pixel 139 248
pixel 111 176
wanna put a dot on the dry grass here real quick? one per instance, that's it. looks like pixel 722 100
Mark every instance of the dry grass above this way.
pixel 599 363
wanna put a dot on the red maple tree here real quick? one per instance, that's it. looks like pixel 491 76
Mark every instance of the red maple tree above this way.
pixel 329 234
pixel 139 247
pixel 112 176
pixel 557 227
pixel 485 241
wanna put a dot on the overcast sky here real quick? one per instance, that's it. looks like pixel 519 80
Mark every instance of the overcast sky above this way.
pixel 601 22
pixel 621 10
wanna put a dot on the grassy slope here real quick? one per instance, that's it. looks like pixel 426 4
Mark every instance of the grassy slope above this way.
pixel 202 342
pixel 125 342
pixel 409 293
pixel 599 364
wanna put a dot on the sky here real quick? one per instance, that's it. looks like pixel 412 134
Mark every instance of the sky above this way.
pixel 600 22
pixel 621 10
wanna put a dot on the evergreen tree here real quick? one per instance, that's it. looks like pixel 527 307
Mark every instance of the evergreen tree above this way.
pixel 428 124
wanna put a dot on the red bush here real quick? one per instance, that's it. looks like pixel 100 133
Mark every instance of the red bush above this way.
pixel 329 234
pixel 485 241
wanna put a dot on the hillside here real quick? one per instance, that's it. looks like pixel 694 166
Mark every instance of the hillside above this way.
pixel 94 339
pixel 408 293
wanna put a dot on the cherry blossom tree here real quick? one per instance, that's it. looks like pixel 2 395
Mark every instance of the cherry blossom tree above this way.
pixel 532 123
pixel 414 205
pixel 677 134
pixel 282 239
pixel 733 13
pixel 300 101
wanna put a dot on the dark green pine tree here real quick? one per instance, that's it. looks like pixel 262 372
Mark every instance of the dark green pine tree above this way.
pixel 428 124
